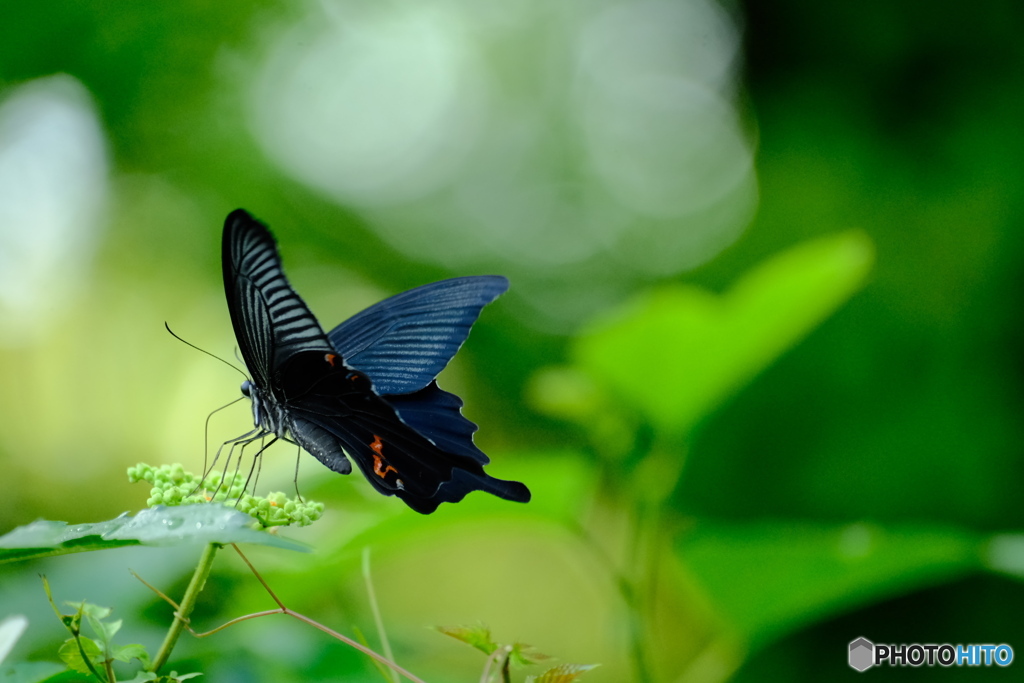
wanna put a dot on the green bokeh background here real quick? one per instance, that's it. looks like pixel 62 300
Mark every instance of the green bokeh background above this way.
pixel 845 459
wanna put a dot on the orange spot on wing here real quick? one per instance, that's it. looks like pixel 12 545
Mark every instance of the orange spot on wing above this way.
pixel 330 358
pixel 380 466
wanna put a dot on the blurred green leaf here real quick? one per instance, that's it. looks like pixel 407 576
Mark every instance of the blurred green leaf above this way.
pixel 126 653
pixel 524 655
pixel 769 578
pixel 159 526
pixel 569 394
pixel 173 677
pixel 564 673
pixel 73 648
pixel 474 636
pixel 566 393
pixel 561 483
pixel 104 630
pixel 32 672
pixel 11 629
pixel 677 353
pixel 1004 554
pixel 94 613
pixel 383 670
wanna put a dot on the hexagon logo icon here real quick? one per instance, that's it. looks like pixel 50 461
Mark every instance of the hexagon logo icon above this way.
pixel 862 654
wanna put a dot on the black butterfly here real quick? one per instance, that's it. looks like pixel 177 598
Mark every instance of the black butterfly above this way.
pixel 367 388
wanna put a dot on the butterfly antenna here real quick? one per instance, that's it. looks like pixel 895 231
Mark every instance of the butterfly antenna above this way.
pixel 204 351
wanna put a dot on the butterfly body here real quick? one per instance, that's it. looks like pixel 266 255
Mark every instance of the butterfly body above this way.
pixel 367 389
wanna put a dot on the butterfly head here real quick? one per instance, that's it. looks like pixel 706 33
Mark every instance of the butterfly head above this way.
pixel 266 412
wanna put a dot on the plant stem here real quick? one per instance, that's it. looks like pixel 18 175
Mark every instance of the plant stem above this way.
pixel 348 641
pixel 375 609
pixel 503 651
pixel 109 666
pixel 188 602
pixel 631 579
pixel 506 675
pixel 315 624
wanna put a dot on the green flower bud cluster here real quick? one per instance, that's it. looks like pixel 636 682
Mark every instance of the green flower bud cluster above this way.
pixel 173 485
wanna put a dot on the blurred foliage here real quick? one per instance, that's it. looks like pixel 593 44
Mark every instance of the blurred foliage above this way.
pixel 735 470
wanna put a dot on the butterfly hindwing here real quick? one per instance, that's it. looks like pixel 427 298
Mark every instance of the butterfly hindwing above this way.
pixel 403 342
pixel 339 417
pixel 437 415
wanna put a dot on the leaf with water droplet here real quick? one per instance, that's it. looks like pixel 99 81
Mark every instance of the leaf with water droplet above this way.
pixel 159 526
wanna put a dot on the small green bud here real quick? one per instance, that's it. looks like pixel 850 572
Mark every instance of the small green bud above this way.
pixel 173 485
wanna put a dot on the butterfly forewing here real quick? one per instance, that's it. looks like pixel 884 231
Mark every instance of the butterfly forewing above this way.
pixel 272 323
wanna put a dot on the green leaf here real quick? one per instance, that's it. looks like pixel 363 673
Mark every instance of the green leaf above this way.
pixel 95 612
pixel 71 654
pixel 65 676
pixel 563 673
pixel 144 677
pixel 72 622
pixel 678 353
pixel 11 629
pixel 30 672
pixel 475 636
pixel 104 630
pixel 383 670
pixel 771 578
pixel 173 677
pixel 126 653
pixel 159 526
pixel 524 655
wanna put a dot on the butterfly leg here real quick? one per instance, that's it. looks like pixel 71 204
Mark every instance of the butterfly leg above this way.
pixel 246 438
pixel 206 431
pixel 298 459
pixel 238 465
pixel 252 469
pixel 258 464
